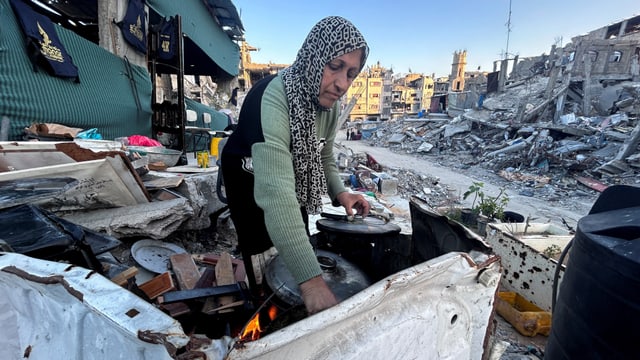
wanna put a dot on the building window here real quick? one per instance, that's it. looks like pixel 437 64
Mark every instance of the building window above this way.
pixel 593 55
pixel 615 56
pixel 613 31
pixel 375 95
pixel 633 25
pixel 376 83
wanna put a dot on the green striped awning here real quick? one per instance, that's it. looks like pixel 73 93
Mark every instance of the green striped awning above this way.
pixel 204 40
pixel 219 121
pixel 112 96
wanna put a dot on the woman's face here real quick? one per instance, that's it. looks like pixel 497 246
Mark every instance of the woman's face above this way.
pixel 337 76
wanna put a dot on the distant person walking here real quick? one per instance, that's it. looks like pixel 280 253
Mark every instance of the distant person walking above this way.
pixel 349 134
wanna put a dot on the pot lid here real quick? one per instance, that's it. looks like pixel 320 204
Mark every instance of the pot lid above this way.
pixel 154 255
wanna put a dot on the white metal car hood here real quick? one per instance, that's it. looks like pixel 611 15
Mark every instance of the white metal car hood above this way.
pixel 51 310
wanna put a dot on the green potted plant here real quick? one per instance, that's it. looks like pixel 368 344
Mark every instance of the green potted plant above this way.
pixel 490 206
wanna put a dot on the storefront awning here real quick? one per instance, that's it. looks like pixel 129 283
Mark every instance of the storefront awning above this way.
pixel 208 49
pixel 219 121
pixel 112 95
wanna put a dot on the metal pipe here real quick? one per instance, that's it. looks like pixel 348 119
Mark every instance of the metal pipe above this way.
pixel 4 129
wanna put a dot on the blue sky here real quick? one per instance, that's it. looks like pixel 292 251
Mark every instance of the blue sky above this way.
pixel 422 35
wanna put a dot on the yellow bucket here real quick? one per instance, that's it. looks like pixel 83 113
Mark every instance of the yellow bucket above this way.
pixel 213 150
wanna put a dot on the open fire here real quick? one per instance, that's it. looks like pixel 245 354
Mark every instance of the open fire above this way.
pixel 254 328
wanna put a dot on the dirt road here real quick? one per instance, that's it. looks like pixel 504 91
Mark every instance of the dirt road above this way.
pixel 569 208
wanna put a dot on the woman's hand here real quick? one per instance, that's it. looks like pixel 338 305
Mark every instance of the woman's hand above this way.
pixel 316 295
pixel 354 201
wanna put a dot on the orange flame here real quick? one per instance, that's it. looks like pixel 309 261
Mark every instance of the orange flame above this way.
pixel 253 329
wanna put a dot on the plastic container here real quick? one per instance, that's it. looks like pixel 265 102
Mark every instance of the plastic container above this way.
pixel 597 311
pixel 169 157
pixel 215 141
pixel 526 317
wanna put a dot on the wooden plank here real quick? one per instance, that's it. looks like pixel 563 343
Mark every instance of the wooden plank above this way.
pixel 224 276
pixel 212 259
pixel 227 307
pixel 207 279
pixel 176 309
pixel 239 271
pixel 186 271
pixel 182 295
pixel 191 169
pixel 123 277
pixel 158 285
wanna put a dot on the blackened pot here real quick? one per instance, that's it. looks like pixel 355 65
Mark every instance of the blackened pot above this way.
pixel 342 277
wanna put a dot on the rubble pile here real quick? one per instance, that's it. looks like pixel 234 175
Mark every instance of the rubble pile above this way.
pixel 362 168
pixel 519 136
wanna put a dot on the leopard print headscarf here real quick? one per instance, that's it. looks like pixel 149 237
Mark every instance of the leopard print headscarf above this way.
pixel 330 38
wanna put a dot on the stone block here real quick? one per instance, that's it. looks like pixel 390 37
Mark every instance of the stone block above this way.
pixel 387 184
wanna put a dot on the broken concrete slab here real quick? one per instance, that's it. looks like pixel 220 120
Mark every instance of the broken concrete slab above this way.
pixel 425 147
pixel 157 219
pixel 451 130
pixel 200 191
pixel 396 138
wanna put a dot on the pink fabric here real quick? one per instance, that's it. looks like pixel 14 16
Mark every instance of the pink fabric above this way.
pixel 140 140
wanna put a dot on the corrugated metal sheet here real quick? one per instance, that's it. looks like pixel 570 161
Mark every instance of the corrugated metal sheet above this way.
pixel 105 98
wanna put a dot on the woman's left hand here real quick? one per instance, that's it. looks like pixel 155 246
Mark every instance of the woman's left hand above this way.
pixel 354 201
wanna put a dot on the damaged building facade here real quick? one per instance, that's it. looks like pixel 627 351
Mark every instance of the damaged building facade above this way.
pixel 377 95
pixel 593 65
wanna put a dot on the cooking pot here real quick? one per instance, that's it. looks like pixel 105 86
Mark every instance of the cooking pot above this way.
pixel 371 243
pixel 342 277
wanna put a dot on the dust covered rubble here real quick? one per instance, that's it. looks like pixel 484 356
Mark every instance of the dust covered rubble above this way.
pixel 538 157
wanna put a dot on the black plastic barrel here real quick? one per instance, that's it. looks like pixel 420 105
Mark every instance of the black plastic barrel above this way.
pixel 597 311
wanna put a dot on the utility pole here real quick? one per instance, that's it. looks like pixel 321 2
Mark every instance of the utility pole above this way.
pixel 506 53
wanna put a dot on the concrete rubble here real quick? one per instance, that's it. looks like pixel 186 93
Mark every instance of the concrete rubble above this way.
pixel 547 155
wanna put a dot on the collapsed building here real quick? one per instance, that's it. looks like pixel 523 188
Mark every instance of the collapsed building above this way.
pixel 573 112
